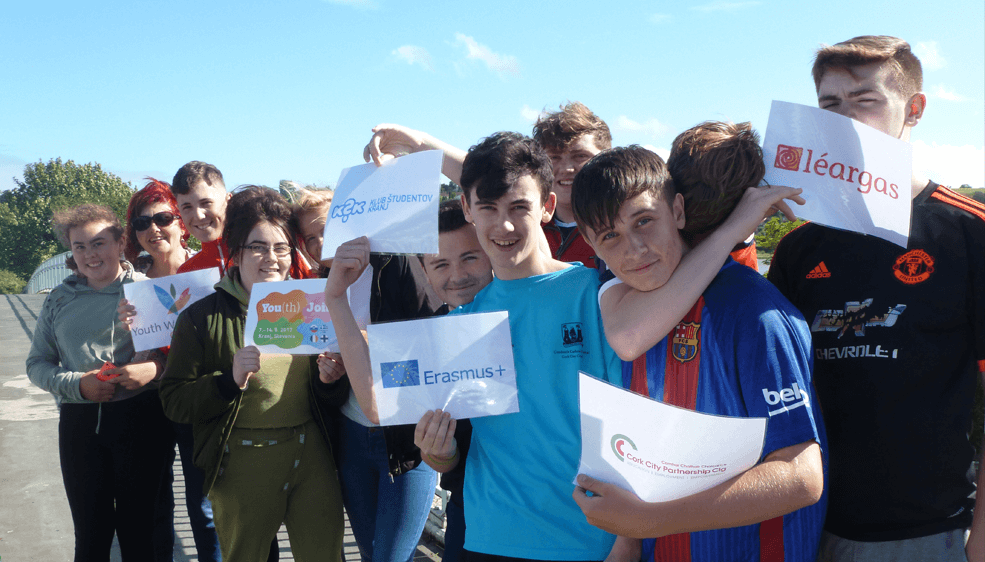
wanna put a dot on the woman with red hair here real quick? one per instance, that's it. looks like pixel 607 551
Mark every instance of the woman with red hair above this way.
pixel 156 243
pixel 154 226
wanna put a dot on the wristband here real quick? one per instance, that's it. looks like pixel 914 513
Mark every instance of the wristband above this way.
pixel 442 462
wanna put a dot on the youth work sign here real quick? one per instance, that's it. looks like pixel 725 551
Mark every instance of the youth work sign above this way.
pixel 657 451
pixel 159 301
pixel 291 316
pixel 461 363
pixel 395 205
pixel 854 177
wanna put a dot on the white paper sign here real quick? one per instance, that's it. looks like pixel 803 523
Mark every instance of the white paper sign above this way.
pixel 461 363
pixel 854 177
pixel 395 205
pixel 159 301
pixel 657 451
pixel 291 316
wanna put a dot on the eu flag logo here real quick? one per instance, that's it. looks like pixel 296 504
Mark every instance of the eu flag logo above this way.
pixel 400 373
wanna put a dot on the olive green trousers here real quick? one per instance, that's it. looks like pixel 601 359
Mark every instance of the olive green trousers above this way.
pixel 270 476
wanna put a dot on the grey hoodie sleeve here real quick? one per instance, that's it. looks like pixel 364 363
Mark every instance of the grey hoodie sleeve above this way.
pixel 44 362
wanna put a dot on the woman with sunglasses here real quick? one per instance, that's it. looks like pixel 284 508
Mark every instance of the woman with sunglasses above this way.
pixel 154 226
pixel 262 422
pixel 113 438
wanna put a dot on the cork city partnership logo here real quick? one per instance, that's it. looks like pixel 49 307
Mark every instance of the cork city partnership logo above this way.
pixel 347 209
pixel 571 334
pixel 788 157
pixel 686 341
pixel 791 157
pixel 618 443
pixel 913 267
pixel 401 373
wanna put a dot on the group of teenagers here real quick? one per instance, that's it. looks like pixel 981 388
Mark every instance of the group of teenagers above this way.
pixel 609 261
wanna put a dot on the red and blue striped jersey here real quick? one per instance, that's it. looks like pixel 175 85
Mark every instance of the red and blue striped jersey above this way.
pixel 743 350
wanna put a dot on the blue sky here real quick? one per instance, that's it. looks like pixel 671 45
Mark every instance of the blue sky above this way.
pixel 290 90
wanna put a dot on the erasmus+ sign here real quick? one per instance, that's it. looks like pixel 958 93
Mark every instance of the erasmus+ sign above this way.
pixel 462 364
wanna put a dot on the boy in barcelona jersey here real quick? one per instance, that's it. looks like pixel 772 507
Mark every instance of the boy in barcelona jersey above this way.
pixel 741 350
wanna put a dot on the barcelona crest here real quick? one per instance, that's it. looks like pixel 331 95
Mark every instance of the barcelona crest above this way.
pixel 686 341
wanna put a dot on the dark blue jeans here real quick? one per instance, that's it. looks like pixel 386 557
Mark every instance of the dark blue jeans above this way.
pixel 199 506
pixel 387 514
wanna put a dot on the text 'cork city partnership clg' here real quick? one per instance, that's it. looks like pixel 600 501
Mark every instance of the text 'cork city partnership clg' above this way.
pixel 407 373
pixel 619 443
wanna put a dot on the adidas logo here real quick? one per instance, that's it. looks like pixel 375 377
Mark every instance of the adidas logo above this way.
pixel 819 272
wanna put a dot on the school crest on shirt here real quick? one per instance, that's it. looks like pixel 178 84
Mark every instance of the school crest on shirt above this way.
pixel 686 341
pixel 571 334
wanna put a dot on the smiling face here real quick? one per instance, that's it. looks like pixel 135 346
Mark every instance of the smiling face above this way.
pixel 460 269
pixel 259 260
pixel 509 228
pixel 644 247
pixel 96 252
pixel 869 95
pixel 312 224
pixel 566 163
pixel 203 210
pixel 159 241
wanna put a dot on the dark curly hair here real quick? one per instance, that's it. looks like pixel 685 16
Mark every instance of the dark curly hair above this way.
pixel 493 165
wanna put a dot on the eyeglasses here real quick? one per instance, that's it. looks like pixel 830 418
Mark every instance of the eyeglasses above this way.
pixel 260 250
pixel 161 219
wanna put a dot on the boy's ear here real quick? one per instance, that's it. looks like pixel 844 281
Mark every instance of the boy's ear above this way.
pixel 465 208
pixel 915 108
pixel 678 208
pixel 549 206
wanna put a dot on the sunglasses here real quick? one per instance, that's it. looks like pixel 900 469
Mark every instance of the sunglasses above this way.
pixel 162 219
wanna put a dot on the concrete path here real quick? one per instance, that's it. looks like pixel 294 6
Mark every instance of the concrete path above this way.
pixel 35 523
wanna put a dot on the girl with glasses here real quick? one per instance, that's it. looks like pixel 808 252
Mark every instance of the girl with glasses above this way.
pixel 262 422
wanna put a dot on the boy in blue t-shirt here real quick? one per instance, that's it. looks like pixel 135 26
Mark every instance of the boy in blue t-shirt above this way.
pixel 518 474
pixel 742 350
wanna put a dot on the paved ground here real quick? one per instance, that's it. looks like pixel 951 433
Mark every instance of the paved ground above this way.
pixel 35 523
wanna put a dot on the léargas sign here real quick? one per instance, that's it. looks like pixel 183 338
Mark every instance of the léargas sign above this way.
pixel 854 177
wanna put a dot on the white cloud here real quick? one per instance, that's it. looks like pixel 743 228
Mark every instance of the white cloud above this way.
pixel 413 54
pixel 650 127
pixel 659 18
pixel 503 65
pixel 950 165
pixel 661 152
pixel 929 55
pixel 940 92
pixel 366 4
pixel 722 6
pixel 530 114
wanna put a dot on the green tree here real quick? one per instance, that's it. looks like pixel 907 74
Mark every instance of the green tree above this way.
pixel 10 283
pixel 768 234
pixel 26 236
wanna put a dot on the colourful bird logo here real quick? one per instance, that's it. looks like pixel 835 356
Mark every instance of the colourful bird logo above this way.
pixel 169 301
